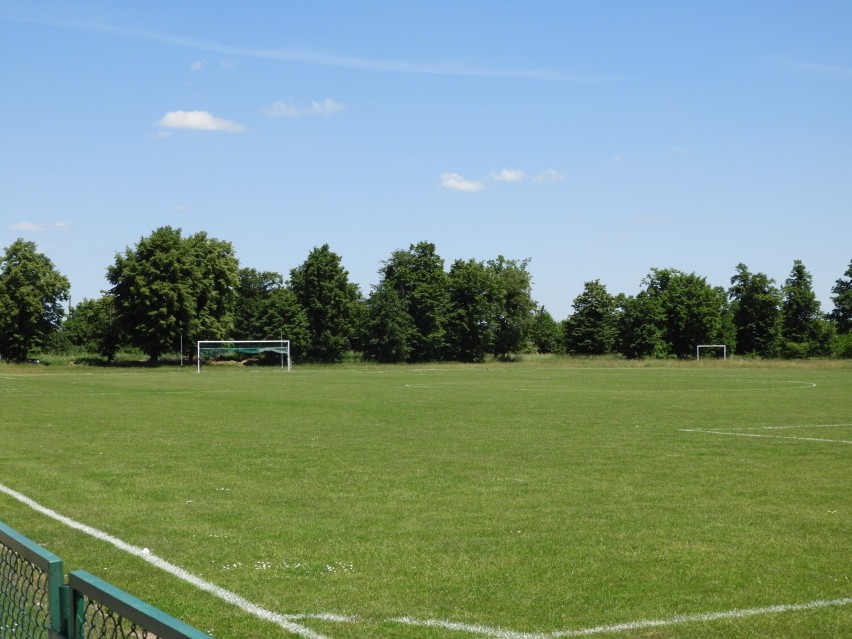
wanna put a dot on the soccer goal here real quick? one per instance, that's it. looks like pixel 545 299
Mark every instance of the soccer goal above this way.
pixel 715 347
pixel 241 350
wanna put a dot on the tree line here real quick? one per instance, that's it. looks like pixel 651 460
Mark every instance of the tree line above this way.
pixel 170 289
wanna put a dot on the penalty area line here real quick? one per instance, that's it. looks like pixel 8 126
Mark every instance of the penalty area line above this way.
pixel 283 621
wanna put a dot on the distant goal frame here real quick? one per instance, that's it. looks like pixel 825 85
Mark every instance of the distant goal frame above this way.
pixel 281 346
pixel 698 348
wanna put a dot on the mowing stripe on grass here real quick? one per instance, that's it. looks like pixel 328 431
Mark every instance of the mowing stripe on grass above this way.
pixel 284 621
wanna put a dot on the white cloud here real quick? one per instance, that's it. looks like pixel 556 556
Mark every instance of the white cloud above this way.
pixel 456 182
pixel 198 65
pixel 180 208
pixel 551 175
pixel 282 109
pixel 198 121
pixel 508 175
pixel 31 227
pixel 326 107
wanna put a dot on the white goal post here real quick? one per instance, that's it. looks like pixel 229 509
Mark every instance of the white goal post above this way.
pixel 700 346
pixel 236 348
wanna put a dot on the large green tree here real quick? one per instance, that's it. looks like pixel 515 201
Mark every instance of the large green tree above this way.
pixel 168 286
pixel 592 328
pixel 515 313
pixel 418 278
pixel 331 303
pixel 756 313
pixel 642 326
pixel 476 298
pixel 389 331
pixel 31 296
pixel 253 293
pixel 841 314
pixel 803 328
pixel 675 312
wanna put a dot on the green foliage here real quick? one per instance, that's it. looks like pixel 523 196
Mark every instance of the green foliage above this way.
pixel 756 313
pixel 515 312
pixel 389 331
pixel 476 297
pixel 800 307
pixel 418 278
pixel 31 292
pixel 842 298
pixel 843 346
pixel 331 304
pixel 805 332
pixel 672 314
pixel 168 286
pixel 641 324
pixel 266 309
pixel 593 327
pixel 93 326
pixel 545 334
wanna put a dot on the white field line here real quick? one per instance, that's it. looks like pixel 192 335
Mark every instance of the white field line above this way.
pixel 284 621
pixel 498 633
pixel 742 434
pixel 287 622
pixel 786 427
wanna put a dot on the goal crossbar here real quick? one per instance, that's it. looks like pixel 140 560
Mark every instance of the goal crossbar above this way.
pixel 248 347
pixel 698 348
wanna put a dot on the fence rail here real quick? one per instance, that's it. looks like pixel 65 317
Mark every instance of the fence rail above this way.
pixel 36 603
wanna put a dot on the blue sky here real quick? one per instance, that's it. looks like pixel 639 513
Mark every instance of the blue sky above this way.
pixel 600 139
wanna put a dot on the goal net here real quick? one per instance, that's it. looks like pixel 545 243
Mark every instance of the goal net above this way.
pixel 264 350
pixel 715 349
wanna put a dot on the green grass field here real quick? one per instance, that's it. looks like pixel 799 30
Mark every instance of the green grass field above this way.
pixel 528 500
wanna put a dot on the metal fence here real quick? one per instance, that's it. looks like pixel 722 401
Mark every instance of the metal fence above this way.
pixel 36 603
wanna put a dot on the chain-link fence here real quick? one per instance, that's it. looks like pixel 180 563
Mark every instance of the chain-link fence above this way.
pixel 35 603
pixel 30 578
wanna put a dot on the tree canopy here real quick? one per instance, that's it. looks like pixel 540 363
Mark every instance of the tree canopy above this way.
pixel 842 298
pixel 330 301
pixel 168 286
pixel 31 293
pixel 756 313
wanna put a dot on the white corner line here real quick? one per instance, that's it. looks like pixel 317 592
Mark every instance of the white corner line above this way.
pixel 287 622
pixel 283 621
pixel 737 613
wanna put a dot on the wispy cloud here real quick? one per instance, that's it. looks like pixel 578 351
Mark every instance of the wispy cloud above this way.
pixel 198 121
pixel 32 227
pixel 455 182
pixel 303 56
pixel 551 175
pixel 508 175
pixel 282 109
pixel 198 65
pixel 821 69
pixel 651 219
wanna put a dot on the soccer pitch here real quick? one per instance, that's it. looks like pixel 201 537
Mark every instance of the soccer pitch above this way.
pixel 533 500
